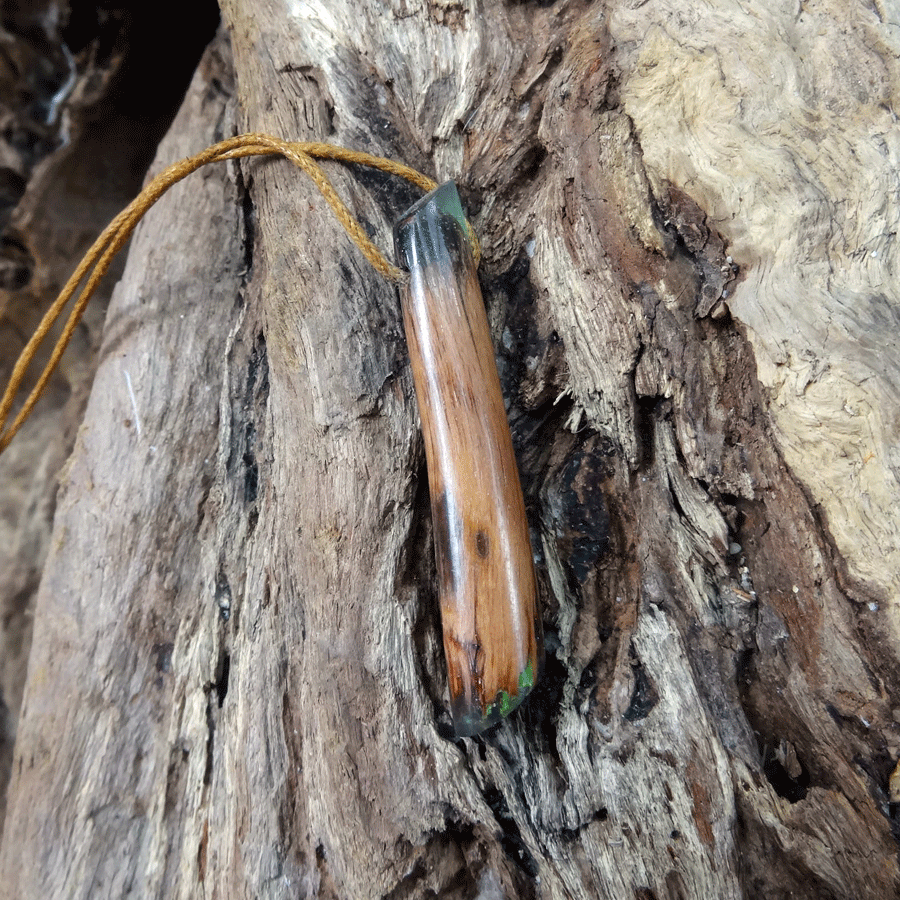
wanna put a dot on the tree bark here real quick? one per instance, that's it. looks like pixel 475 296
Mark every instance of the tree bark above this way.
pixel 688 223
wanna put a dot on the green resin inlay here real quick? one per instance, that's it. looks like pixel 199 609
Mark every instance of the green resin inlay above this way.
pixel 505 702
pixel 446 199
pixel 526 679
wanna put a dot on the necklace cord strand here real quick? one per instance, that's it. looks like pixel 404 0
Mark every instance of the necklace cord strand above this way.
pixel 99 257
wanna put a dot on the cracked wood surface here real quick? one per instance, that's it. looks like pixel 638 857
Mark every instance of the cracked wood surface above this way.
pixel 236 685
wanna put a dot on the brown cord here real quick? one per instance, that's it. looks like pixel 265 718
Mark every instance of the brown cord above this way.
pixel 98 259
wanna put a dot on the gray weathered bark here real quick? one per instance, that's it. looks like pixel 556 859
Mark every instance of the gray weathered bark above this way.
pixel 688 219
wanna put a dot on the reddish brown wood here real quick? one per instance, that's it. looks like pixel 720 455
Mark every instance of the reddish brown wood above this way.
pixel 485 569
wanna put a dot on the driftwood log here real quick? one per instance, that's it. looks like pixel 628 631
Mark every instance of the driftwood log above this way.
pixel 235 685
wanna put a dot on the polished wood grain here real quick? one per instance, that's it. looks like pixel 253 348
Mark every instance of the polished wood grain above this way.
pixel 486 575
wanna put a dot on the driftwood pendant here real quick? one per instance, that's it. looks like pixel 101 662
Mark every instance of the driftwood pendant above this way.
pixel 492 638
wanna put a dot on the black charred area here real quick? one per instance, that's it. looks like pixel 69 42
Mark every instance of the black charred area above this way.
pixel 644 696
pixel 251 468
pixel 377 111
pixel 576 510
pixel 222 679
pixel 248 213
pixel 216 692
pixel 212 710
pixel 248 414
pixel 509 836
pixel 540 711
pixel 793 786
pixel 532 367
pixel 392 194
pixel 569 482
pixel 646 413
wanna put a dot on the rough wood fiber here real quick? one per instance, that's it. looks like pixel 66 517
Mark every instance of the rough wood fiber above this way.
pixel 242 694
pixel 44 221
pixel 787 139
pixel 102 746
pixel 70 158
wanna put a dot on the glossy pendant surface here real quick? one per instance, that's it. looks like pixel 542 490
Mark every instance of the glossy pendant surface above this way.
pixel 486 580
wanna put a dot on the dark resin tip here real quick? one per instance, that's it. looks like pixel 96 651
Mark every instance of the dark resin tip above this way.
pixel 430 228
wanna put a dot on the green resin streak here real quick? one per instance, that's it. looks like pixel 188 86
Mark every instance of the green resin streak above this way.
pixel 526 679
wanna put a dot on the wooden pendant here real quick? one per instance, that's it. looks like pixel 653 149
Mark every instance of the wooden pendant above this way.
pixel 486 581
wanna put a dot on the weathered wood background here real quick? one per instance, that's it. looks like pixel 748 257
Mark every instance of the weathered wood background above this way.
pixel 234 686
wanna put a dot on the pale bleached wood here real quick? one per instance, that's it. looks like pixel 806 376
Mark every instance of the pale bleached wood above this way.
pixel 786 137
pixel 717 717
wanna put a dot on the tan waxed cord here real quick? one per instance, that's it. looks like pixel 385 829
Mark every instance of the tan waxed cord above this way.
pixel 98 259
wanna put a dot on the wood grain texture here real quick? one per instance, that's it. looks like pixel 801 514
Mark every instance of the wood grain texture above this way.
pixel 486 579
pixel 236 685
